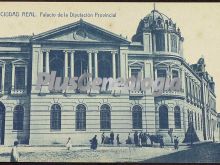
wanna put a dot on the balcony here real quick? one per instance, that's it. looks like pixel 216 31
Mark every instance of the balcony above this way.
pixel 172 93
pixel 18 92
pixel 136 93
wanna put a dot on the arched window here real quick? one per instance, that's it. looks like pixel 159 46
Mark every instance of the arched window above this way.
pixel 105 117
pixel 137 117
pixel 163 117
pixel 177 117
pixel 18 118
pixel 80 117
pixel 55 117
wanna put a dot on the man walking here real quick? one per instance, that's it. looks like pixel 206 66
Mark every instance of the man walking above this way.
pixel 176 143
pixel 103 138
pixel 117 139
pixel 112 138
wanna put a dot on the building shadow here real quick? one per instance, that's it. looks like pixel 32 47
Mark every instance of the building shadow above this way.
pixel 199 153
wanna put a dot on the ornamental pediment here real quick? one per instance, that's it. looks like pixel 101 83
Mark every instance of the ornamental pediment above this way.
pixel 80 31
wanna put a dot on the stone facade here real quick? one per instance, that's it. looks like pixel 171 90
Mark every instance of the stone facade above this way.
pixel 155 51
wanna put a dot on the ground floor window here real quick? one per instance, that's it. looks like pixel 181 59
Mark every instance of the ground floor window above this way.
pixel 137 117
pixel 55 117
pixel 163 117
pixel 80 117
pixel 105 117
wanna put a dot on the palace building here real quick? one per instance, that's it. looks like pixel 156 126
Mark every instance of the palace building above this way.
pixel 45 117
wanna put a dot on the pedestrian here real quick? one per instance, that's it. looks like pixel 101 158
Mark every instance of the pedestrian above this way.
pixel 128 141
pixel 176 141
pixel 136 138
pixel 94 143
pixel 161 142
pixel 117 139
pixel 145 138
pixel 140 139
pixel 68 144
pixel 112 137
pixel 14 153
pixel 103 138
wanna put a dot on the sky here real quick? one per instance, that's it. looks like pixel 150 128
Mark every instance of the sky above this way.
pixel 199 24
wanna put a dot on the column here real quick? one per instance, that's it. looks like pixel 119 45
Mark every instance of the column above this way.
pixel 183 77
pixel 123 62
pixel 113 65
pixel 41 62
pixel 66 63
pixel 47 61
pixel 90 63
pixel 72 63
pixel 35 60
pixel 96 64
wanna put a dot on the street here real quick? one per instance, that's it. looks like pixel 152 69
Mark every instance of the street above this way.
pixel 208 152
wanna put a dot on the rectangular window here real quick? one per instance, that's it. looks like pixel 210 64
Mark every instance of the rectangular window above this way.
pixel 161 73
pixel 19 78
pixel 175 74
pixel 173 43
pixel 134 72
pixel 160 41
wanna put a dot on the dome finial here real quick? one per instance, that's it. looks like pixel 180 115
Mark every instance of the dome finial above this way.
pixel 154 6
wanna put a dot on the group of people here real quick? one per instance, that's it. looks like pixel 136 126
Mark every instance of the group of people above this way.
pixel 139 140
pixel 111 139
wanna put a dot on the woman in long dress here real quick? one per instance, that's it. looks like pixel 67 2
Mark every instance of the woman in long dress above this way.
pixel 14 153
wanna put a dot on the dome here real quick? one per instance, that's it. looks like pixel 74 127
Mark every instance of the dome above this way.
pixel 156 21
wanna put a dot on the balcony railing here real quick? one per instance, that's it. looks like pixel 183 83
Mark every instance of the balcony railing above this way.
pixel 18 91
pixel 179 93
pixel 136 93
